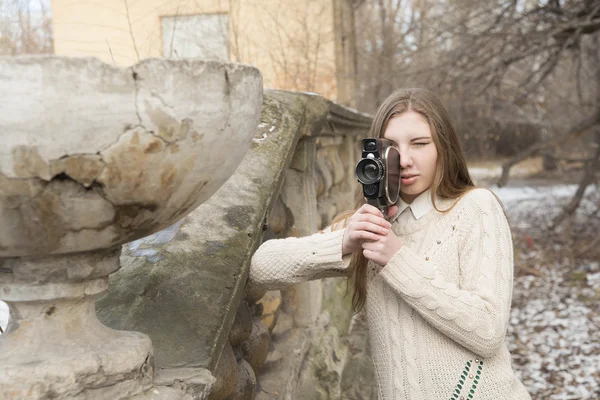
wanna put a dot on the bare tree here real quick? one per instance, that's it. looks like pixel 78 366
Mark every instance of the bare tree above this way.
pixel 25 27
pixel 385 29
pixel 516 74
pixel 298 56
pixel 529 47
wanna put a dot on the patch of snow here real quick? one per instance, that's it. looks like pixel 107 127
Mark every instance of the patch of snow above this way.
pixel 513 194
pixel 3 315
pixel 258 140
pixel 554 339
pixel 495 172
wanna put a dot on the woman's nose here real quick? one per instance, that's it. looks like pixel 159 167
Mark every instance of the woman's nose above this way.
pixel 405 159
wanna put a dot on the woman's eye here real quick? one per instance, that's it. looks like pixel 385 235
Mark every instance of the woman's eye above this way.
pixel 420 144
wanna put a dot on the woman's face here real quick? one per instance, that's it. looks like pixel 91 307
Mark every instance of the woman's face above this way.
pixel 418 154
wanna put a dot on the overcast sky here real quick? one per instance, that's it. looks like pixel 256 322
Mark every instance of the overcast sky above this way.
pixel 11 7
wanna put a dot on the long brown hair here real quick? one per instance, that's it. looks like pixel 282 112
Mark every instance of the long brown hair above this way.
pixel 452 179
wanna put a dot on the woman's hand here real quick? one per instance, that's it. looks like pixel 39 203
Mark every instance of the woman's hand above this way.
pixel 382 250
pixel 365 225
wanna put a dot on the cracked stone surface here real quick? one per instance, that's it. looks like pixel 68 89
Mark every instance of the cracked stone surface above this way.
pixel 95 155
pixel 183 285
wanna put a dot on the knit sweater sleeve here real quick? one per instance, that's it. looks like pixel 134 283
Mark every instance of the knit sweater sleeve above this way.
pixel 283 262
pixel 474 313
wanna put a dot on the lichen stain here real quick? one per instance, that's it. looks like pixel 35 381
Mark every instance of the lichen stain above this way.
pixel 135 139
pixel 154 146
pixel 111 176
pixel 136 217
pixel 38 224
pixel 181 236
pixel 84 169
pixel 41 220
pixel 239 217
pixel 14 192
pixel 27 163
pixel 166 132
pixel 169 128
pixel 133 171
pixel 174 148
pixel 196 137
pixel 184 129
pixel 168 177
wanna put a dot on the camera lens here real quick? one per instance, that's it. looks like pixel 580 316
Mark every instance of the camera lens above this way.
pixel 369 171
pixel 371 146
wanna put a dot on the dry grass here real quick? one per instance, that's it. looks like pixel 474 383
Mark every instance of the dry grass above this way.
pixel 529 166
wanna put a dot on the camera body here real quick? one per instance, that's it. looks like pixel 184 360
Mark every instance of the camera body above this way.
pixel 379 172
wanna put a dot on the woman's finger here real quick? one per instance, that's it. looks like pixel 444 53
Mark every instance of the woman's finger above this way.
pixel 369 209
pixel 370 227
pixel 371 246
pixel 364 235
pixel 368 254
pixel 373 219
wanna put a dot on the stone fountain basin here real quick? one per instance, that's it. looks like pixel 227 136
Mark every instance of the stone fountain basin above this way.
pixel 93 155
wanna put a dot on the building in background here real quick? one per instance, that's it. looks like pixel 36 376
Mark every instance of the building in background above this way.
pixel 298 45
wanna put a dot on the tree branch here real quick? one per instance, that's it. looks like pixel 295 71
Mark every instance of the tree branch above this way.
pixel 582 127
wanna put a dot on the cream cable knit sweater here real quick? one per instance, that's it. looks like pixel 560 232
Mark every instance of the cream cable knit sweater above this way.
pixel 437 312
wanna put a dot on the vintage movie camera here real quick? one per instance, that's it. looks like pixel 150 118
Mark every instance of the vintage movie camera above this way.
pixel 379 173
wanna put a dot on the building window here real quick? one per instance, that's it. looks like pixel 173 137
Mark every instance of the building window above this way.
pixel 195 36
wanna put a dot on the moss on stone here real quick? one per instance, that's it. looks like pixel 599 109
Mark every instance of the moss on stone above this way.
pixel 186 301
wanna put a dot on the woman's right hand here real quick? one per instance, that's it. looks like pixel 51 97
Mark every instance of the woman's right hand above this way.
pixel 366 224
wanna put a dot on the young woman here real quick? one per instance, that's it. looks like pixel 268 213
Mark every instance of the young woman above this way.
pixel 435 280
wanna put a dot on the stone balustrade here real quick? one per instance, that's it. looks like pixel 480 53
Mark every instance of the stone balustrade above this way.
pixel 185 287
pixel 307 322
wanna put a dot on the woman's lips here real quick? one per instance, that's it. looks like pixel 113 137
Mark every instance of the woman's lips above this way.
pixel 408 179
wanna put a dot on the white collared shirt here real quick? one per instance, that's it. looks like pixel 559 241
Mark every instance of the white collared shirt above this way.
pixel 419 207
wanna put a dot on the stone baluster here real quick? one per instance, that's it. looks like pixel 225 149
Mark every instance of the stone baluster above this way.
pixel 54 343
pixel 335 170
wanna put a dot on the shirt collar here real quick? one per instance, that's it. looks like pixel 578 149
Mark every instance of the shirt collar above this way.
pixel 419 207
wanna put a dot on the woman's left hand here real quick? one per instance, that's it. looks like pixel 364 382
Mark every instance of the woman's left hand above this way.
pixel 382 250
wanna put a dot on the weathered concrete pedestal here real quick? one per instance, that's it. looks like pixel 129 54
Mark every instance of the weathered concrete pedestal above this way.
pixel 94 156
pixel 55 346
